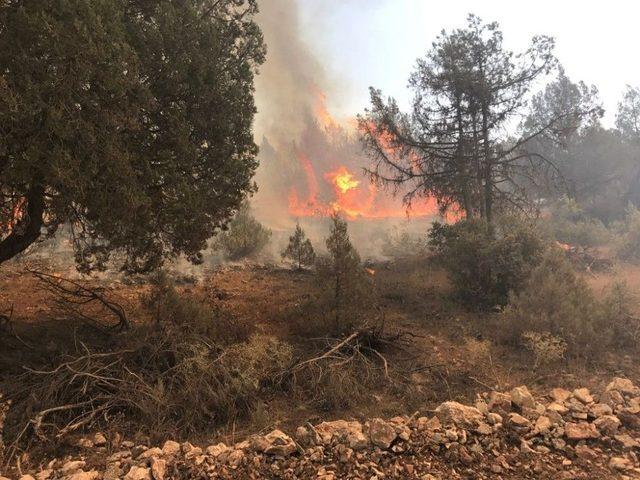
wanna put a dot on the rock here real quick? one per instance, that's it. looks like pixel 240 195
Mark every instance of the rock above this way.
pixel 275 443
pixel 158 468
pixel 560 395
pixel 583 395
pixel 72 467
pixel 84 443
pixel 629 420
pixel 44 474
pixel 627 441
pixel 585 453
pixel 580 431
pixel 543 424
pixel 26 477
pixel 619 463
pixel 607 424
pixel 484 429
pixel 343 431
pixel 558 408
pixel 623 385
pixel 521 397
pixel 90 475
pixel 499 402
pixel 600 409
pixel 138 473
pixel 430 424
pixel 460 415
pixel 152 452
pixel 99 440
pixel 171 448
pixel 494 418
pixel 381 433
pixel 215 450
pixel 519 422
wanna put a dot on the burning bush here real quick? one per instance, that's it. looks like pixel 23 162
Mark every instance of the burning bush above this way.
pixel 299 249
pixel 484 267
pixel 245 236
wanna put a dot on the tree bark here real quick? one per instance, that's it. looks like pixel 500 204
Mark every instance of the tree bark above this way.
pixel 28 228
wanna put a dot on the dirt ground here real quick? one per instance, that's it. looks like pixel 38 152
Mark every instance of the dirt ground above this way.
pixel 445 355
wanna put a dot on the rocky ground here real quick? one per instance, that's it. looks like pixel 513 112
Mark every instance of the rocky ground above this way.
pixel 566 435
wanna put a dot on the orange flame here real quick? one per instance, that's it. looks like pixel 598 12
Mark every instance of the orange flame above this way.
pixel 347 191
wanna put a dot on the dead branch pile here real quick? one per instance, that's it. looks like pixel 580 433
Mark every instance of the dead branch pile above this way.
pixel 163 379
pixel 344 369
pixel 78 300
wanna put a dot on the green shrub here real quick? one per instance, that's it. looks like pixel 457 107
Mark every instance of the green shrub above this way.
pixel 299 250
pixel 400 245
pixel 556 301
pixel 245 236
pixel 619 305
pixel 484 267
pixel 571 225
pixel 628 246
pixel 546 347
pixel 167 306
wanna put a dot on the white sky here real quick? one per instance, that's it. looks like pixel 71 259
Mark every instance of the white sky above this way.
pixel 366 43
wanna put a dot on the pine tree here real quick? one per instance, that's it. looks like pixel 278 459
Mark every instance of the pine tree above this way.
pixel 341 274
pixel 245 236
pixel 299 249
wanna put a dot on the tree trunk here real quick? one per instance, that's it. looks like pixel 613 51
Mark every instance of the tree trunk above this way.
pixel 28 228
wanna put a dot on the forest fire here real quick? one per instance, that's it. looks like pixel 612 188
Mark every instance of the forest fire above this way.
pixel 332 178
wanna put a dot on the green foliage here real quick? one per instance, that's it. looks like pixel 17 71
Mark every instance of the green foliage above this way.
pixel 484 267
pixel 299 250
pixel 546 348
pixel 342 278
pixel 570 224
pixel 169 307
pixel 245 236
pixel 129 120
pixel 628 246
pixel 401 245
pixel 558 302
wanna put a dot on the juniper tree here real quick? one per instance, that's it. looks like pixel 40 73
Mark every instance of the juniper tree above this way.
pixel 299 250
pixel 129 120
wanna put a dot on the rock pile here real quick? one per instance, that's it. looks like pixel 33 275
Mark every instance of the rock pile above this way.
pixel 567 435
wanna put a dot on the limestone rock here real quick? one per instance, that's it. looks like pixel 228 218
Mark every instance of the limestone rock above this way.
pixel 343 431
pixel 583 395
pixel 275 443
pixel 158 468
pixel 607 424
pixel 72 467
pixel 580 431
pixel 560 395
pixel 171 448
pixel 619 463
pixel 600 409
pixel 138 473
pixel 623 385
pixel 381 433
pixel 460 415
pixel 627 441
pixel 521 397
pixel 499 402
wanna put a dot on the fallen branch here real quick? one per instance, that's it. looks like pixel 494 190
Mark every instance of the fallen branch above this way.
pixel 74 298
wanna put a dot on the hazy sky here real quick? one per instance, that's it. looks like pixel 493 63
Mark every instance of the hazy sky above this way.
pixel 364 43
